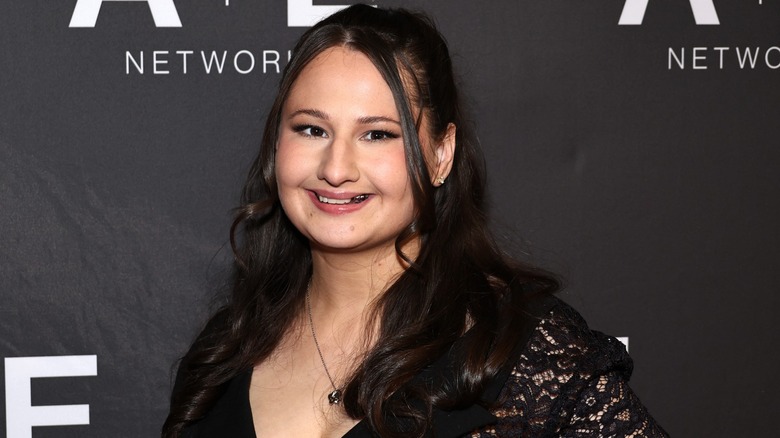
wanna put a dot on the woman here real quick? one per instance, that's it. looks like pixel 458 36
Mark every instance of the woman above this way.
pixel 370 298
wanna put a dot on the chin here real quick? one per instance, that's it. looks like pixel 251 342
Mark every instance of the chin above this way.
pixel 346 246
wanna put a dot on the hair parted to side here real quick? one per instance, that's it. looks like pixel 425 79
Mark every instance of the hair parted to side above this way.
pixel 459 281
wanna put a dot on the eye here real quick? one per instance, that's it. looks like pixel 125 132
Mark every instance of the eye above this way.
pixel 380 135
pixel 310 131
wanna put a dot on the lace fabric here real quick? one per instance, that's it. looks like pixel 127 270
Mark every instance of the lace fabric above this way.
pixel 570 381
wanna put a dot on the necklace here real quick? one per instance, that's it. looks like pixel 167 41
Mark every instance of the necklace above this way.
pixel 334 397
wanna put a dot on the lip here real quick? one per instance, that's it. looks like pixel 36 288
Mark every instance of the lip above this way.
pixel 337 208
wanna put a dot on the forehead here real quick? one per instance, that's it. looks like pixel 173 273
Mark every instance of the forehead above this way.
pixel 342 79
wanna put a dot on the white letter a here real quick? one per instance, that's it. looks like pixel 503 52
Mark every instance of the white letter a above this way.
pixel 634 12
pixel 86 12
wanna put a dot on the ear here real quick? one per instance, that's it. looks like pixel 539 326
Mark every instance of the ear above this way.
pixel 445 152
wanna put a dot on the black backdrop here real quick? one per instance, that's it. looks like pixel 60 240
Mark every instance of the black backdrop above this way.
pixel 640 161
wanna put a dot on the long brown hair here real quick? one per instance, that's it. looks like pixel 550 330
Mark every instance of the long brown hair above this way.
pixel 459 281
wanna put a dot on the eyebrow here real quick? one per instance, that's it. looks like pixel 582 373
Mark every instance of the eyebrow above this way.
pixel 365 120
pixel 311 112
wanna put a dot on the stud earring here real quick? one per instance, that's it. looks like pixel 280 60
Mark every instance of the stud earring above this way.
pixel 439 181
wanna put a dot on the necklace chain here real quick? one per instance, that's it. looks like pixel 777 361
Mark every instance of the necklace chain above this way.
pixel 334 397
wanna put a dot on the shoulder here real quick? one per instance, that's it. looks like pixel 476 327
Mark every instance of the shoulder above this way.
pixel 206 341
pixel 231 414
pixel 562 343
pixel 569 380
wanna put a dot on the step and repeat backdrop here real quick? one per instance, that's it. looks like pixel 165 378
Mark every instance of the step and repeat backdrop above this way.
pixel 633 146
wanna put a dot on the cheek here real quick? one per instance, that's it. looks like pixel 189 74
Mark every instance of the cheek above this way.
pixel 288 177
pixel 392 177
pixel 280 167
pixel 287 164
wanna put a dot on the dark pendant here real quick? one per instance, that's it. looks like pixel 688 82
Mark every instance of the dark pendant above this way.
pixel 334 397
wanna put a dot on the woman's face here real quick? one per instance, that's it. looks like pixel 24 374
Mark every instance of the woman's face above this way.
pixel 340 161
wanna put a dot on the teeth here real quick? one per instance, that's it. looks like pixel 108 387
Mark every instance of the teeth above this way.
pixel 333 201
pixel 357 200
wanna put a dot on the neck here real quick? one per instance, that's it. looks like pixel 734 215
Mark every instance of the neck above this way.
pixel 344 285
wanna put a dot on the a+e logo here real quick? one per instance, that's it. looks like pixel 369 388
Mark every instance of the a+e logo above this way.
pixel 300 13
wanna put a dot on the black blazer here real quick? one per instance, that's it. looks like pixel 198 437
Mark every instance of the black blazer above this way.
pixel 562 349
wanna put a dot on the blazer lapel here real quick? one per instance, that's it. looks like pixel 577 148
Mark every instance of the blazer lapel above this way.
pixel 456 423
pixel 231 416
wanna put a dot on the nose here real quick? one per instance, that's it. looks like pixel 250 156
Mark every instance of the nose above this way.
pixel 339 163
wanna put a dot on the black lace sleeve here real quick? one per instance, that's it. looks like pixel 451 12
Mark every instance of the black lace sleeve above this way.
pixel 608 407
pixel 570 382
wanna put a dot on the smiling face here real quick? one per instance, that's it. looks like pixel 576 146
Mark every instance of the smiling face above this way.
pixel 340 160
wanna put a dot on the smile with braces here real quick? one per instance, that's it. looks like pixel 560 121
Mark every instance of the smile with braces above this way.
pixel 356 200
